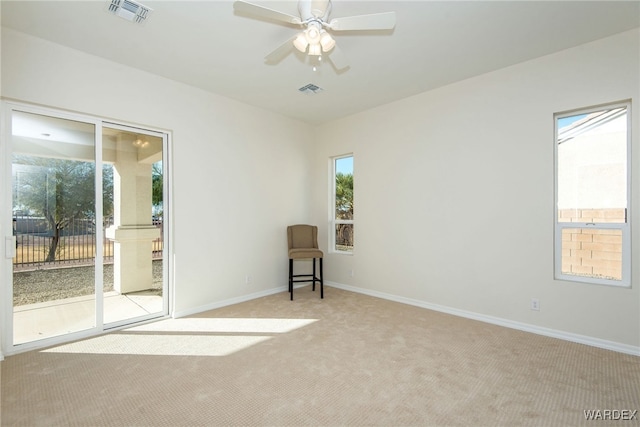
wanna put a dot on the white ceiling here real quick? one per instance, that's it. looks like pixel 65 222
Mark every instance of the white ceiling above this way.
pixel 205 44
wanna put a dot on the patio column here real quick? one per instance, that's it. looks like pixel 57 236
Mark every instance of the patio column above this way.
pixel 132 231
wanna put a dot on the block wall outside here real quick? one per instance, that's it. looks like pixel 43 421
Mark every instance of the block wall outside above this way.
pixel 590 251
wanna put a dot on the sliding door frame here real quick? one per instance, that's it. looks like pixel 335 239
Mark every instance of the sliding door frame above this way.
pixel 6 228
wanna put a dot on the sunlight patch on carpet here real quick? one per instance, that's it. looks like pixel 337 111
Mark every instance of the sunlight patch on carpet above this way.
pixel 161 345
pixel 185 337
pixel 225 325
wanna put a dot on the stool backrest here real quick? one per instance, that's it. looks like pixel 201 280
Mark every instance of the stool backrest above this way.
pixel 302 236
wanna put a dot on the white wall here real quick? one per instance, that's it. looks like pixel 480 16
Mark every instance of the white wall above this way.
pixel 454 194
pixel 240 174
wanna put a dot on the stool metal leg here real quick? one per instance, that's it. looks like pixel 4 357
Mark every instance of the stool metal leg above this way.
pixel 291 278
pixel 313 288
pixel 321 281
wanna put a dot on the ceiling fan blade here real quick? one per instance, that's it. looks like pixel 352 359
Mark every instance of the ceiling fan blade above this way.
pixel 337 58
pixel 375 21
pixel 264 12
pixel 280 52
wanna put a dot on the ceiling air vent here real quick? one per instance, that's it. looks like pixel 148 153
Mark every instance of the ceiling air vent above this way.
pixel 129 10
pixel 310 89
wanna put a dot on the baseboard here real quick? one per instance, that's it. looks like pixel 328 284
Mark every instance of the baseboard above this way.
pixel 230 301
pixel 553 333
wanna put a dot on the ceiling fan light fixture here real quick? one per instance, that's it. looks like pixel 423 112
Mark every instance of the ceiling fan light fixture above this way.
pixel 326 41
pixel 315 50
pixel 313 33
pixel 313 17
pixel 301 43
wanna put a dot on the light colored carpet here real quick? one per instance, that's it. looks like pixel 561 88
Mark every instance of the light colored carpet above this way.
pixel 349 359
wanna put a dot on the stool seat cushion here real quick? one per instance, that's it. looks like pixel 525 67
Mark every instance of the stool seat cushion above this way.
pixel 303 253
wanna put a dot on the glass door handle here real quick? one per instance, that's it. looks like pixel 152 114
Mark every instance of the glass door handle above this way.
pixel 9 247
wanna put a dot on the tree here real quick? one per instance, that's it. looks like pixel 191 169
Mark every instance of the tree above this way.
pixel 344 196
pixel 61 191
pixel 156 187
pixel 344 208
pixel 107 191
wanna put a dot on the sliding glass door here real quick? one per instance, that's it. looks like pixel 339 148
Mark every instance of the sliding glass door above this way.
pixel 53 213
pixel 134 219
pixel 87 251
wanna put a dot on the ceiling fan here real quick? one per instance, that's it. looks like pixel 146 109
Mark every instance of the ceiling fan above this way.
pixel 315 38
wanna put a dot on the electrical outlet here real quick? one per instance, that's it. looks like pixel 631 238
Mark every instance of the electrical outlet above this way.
pixel 248 279
pixel 351 272
pixel 535 304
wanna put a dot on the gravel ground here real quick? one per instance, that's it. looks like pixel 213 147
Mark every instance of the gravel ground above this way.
pixel 35 286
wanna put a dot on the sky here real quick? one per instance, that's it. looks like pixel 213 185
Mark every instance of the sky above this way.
pixel 566 121
pixel 344 165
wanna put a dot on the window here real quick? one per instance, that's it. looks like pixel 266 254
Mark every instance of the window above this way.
pixel 342 205
pixel 592 193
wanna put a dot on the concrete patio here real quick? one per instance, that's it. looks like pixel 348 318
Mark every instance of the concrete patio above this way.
pixel 43 320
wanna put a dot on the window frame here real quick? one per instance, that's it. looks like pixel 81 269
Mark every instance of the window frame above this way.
pixel 333 221
pixel 624 227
